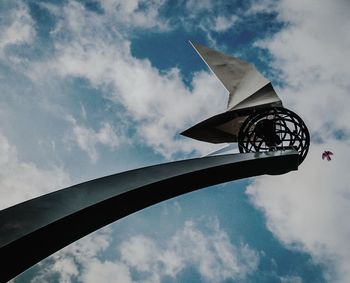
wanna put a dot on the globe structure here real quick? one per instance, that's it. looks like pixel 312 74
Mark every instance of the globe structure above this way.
pixel 273 129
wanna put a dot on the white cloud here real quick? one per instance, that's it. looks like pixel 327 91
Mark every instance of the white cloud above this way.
pixel 209 16
pixel 262 6
pixel 208 249
pixel 158 103
pixel 135 13
pixel 88 139
pixel 291 279
pixel 106 271
pixel 222 23
pixel 20 181
pixel 310 214
pixel 211 253
pixel 197 6
pixel 76 260
pixel 307 209
pixel 214 255
pixel 312 55
pixel 19 27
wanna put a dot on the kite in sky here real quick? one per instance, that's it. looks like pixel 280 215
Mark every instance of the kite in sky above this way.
pixel 327 154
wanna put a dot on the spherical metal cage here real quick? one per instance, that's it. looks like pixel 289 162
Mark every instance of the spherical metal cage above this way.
pixel 274 129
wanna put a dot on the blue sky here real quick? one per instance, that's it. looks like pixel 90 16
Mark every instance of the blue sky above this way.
pixel 91 88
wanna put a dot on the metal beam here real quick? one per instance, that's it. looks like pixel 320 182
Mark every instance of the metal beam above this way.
pixel 32 230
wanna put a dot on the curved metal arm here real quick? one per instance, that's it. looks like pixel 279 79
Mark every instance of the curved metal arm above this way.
pixel 32 230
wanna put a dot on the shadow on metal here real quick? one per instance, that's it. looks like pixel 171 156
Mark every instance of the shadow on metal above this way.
pixel 32 230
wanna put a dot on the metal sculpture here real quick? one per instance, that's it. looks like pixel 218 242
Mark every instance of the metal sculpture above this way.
pixel 255 117
pixel 32 230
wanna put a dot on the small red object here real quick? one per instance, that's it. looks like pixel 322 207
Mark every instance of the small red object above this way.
pixel 327 154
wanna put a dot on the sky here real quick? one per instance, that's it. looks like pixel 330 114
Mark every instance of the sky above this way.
pixel 91 88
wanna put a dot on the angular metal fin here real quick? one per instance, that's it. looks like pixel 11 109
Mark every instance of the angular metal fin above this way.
pixel 240 78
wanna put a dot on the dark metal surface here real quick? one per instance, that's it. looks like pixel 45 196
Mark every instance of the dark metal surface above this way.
pixel 223 127
pixel 32 230
pixel 274 129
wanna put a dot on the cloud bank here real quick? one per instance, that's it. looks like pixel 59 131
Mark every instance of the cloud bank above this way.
pixel 307 209
pixel 142 259
pixel 20 181
pixel 158 104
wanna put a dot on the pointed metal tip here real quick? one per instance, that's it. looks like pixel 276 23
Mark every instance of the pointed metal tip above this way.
pixel 194 44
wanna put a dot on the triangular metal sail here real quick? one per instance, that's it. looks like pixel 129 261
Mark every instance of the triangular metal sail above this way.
pixel 240 78
pixel 248 91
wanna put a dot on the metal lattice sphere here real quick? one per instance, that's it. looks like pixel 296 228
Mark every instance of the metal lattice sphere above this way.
pixel 274 129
